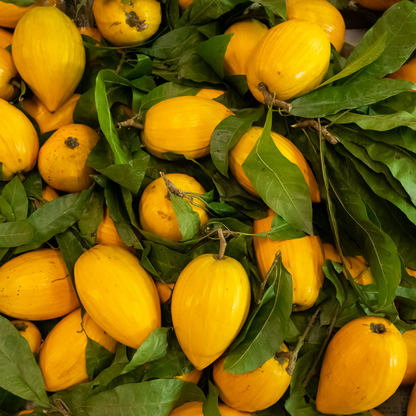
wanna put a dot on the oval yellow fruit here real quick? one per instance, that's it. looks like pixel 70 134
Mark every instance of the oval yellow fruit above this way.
pixel 195 409
pixel 8 73
pixel 411 407
pixel 30 332
pixel 10 14
pixel 410 341
pixel 380 5
pixel 192 377
pixel 6 37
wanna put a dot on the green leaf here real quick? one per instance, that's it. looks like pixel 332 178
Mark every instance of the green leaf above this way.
pixel 17 233
pixel 331 275
pixel 152 349
pixel 228 132
pixel 10 402
pixel 157 397
pixel 14 193
pixel 366 57
pixel 97 358
pixel 20 3
pixel 33 184
pixel 92 215
pixel 282 230
pixel 276 6
pixel 331 100
pixel 142 67
pixel 188 219
pixel 279 182
pixel 6 210
pixel 267 330
pixel 19 372
pixel 210 406
pixel 212 51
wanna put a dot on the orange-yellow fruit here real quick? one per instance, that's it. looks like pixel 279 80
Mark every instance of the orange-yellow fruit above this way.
pixel 30 332
pixel 165 292
pixel 8 73
pixel 256 390
pixel 352 381
pixel 6 37
pixel 62 160
pixel 195 409
pixel 183 4
pixel 410 340
pixel 62 356
pixel 192 377
pixel 411 407
pixel 10 14
pixel 49 194
pixel 406 72
pixel 24 412
pixel 92 32
pixel 246 36
pixel 239 153
pixel 156 212
pixel 209 93
pixel 324 14
pixel 375 412
pixel 380 5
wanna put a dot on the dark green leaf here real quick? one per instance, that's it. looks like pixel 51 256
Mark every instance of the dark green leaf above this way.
pixel 6 210
pixel 279 182
pixel 14 193
pixel 20 3
pixel 17 233
pixel 33 184
pixel 92 215
pixel 10 402
pixel 188 219
pixel 19 372
pixel 210 407
pixel 142 67
pixel 282 230
pixel 97 358
pixel 331 274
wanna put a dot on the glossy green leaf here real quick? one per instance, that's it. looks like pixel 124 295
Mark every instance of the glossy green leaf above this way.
pixel 97 358
pixel 6 210
pixel 276 6
pixel 92 215
pixel 15 234
pixel 279 182
pixel 282 230
pixel 33 184
pixel 210 406
pixel 20 3
pixel 14 193
pixel 331 275
pixel 9 402
pixel 20 374
pixel 188 219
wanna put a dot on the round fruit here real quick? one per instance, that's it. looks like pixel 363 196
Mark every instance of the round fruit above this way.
pixel 8 73
pixel 118 293
pixel 92 32
pixel 36 286
pixel 210 304
pixel 157 215
pixel 49 194
pixel 256 390
pixel 30 332
pixel 188 124
pixel 183 4
pixel 127 23
pixel 49 55
pixel 62 159
pixel 352 381
pixel 292 59
pixel 380 5
pixel 62 357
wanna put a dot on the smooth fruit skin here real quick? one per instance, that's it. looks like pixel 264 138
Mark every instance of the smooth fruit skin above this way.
pixel 92 32
pixel 239 153
pixel 10 14
pixel 49 194
pixel 292 59
pixel 380 5
pixel 107 233
pixel 195 409
pixel 30 332
pixel 24 412
pixel 210 304
pixel 375 412
pixel 19 144
pixel 209 93
pixel 36 286
pixel 192 377
pixel 411 407
pixel 165 292
pixel 352 381
pixel 246 36
pixel 253 391
pixel 8 71
pixel 62 160
pixel 156 213
pixel 6 37
pixel 406 72
pixel 46 120
pixel 111 17
pixel 183 4
pixel 118 293
pixel 410 340
pixel 302 257
pixel 62 356
pixel 324 14
pixel 188 124
pixel 49 55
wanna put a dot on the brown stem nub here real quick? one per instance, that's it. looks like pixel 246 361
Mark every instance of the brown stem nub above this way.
pixel 266 278
pixel 223 245
pixel 20 326
pixel 16 83
pixel 377 328
pixel 173 189
pixel 71 142
pixel 59 406
pixel 130 123
pixel 269 100
pixel 315 125
pixel 134 21
pixel 20 176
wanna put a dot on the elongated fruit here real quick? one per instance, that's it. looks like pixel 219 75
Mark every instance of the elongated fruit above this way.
pixel 6 37
pixel 192 377
pixel 410 340
pixel 302 257
pixel 10 14
pixel 36 286
pixel 118 293
pixel 8 73
pixel 19 144
pixel 256 390
pixel 352 381
pixel 49 55
pixel 195 409
pixel 411 407
pixel 210 304
pixel 290 60
pixel 62 356
pixel 380 5
pixel 188 124
pixel 30 332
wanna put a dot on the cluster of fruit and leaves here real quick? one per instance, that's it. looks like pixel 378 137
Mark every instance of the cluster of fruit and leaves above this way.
pixel 206 208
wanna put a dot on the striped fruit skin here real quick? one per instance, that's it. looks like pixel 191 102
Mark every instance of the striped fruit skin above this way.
pixel 6 37
pixel 19 144
pixel 49 55
pixel 118 293
pixel 36 286
pixel 246 36
pixel 292 59
pixel 188 124
pixel 62 356
pixel 324 14
pixel 10 14
pixel 239 153
pixel 8 71
pixel 352 382
pixel 30 332
pixel 210 304
pixel 302 257
pixel 195 409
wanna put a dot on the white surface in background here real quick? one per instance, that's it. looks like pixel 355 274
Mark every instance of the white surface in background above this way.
pixel 353 36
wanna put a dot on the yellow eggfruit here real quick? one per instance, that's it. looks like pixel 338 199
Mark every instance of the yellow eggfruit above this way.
pixel 239 153
pixel 6 37
pixel 127 23
pixel 19 144
pixel 165 292
pixel 375 412
pixel 92 32
pixel 24 412
pixel 246 36
pixel 291 59
pixel 62 356
pixel 30 332
pixel 324 14
pixel 49 194
pixel 188 124
pixel 195 409
pixel 208 93
pixel 8 73
pixel 156 212
pixel 410 341
pixel 118 293
pixel 253 391
pixel 380 5
pixel 411 407
pixel 62 159
pixel 49 55
pixel 183 4
pixel 10 14
pixel 192 377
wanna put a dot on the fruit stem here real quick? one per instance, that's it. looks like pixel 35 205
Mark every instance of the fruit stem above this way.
pixel 270 100
pixel 377 328
pixel 20 176
pixel 134 21
pixel 277 256
pixel 317 126
pixel 16 83
pixel 223 245
pixel 172 189
pixel 20 326
pixel 59 406
pixel 131 123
